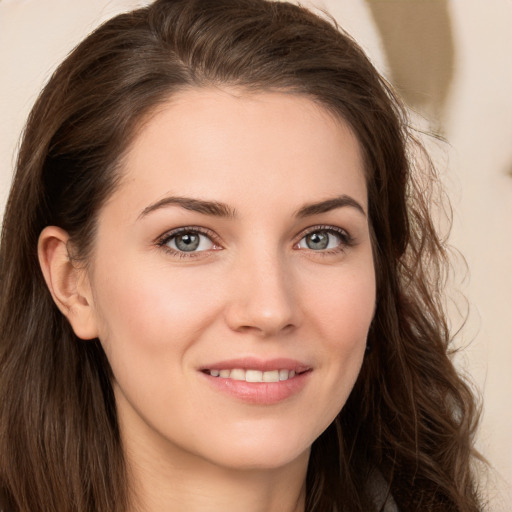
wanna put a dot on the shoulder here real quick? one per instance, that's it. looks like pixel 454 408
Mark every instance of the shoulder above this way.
pixel 378 489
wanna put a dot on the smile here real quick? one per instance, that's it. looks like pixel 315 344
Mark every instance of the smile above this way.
pixel 257 381
pixel 250 375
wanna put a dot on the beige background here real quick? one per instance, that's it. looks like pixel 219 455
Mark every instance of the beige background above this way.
pixel 452 60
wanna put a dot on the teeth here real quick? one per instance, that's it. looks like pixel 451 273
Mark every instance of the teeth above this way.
pixel 237 374
pixel 272 376
pixel 254 375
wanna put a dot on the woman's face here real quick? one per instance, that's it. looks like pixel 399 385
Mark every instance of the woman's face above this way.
pixel 232 279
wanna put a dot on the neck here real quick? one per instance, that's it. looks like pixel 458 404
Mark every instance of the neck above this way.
pixel 166 487
pixel 160 481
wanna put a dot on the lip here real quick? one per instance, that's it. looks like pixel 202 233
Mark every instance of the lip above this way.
pixel 263 365
pixel 259 393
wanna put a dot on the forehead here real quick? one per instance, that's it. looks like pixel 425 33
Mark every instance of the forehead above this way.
pixel 228 142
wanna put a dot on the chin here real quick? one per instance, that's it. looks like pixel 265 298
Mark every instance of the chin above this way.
pixel 256 453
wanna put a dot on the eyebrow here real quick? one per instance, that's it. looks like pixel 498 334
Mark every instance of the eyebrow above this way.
pixel 213 208
pixel 217 209
pixel 328 205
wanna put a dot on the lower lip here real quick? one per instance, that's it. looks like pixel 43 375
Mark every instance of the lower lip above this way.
pixel 262 393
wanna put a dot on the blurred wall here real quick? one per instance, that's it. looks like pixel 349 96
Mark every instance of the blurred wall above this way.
pixel 451 61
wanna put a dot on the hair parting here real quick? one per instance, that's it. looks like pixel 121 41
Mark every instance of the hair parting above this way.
pixel 407 429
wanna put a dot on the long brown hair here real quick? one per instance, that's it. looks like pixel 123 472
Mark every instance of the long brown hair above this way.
pixel 410 419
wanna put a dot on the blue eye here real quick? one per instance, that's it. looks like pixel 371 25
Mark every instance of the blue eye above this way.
pixel 323 239
pixel 188 241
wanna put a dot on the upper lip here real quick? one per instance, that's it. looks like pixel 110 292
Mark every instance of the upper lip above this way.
pixel 253 363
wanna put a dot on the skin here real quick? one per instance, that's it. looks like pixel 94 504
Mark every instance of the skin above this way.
pixel 254 288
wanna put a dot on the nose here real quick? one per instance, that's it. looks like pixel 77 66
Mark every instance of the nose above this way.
pixel 263 299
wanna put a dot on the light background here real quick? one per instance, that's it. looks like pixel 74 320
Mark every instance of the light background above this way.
pixel 453 62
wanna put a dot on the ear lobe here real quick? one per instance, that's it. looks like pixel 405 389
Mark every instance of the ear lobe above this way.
pixel 68 283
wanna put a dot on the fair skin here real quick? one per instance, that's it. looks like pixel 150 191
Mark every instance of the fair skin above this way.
pixel 235 249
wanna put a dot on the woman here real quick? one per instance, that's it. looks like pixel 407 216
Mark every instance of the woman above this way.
pixel 221 281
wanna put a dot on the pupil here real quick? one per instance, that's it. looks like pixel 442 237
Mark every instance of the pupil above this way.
pixel 317 240
pixel 188 242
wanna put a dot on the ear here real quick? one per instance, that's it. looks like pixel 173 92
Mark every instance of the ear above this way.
pixel 68 283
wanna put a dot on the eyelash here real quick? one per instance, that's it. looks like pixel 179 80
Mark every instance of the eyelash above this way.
pixel 193 230
pixel 346 240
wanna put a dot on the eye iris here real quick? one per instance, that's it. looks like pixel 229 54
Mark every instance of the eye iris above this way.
pixel 187 242
pixel 318 240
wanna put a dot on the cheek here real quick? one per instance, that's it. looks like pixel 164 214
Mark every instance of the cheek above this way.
pixel 148 325
pixel 340 315
pixel 152 307
pixel 343 304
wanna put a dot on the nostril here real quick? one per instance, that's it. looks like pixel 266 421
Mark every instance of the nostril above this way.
pixel 265 329
pixel 261 302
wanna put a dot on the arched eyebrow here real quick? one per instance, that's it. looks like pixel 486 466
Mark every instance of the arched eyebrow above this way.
pixel 330 204
pixel 217 209
pixel 213 208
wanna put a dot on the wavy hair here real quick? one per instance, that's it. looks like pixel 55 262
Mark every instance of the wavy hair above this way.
pixel 410 419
